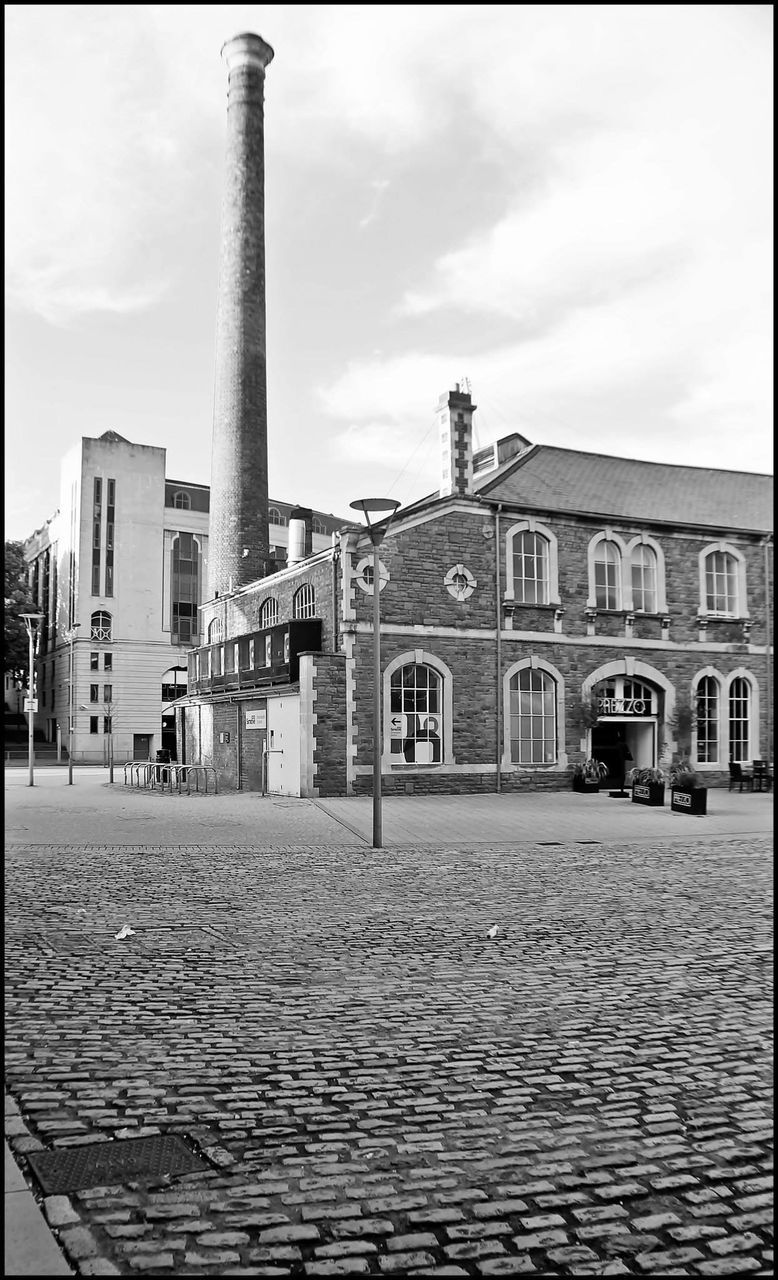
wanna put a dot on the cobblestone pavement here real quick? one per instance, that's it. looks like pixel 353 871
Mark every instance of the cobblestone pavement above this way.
pixel 379 1086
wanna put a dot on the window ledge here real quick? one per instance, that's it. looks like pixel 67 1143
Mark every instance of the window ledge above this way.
pixel 523 604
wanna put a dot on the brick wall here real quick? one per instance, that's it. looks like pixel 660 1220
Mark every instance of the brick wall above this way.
pixel 328 684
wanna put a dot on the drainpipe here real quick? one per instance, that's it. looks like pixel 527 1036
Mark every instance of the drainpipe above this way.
pixel 498 705
pixel 335 560
pixel 768 644
pixel 237 746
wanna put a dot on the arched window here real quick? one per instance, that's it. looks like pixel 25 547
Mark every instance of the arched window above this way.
pixel 739 719
pixel 317 526
pixel 532 697
pixel 530 568
pixel 416 719
pixel 644 579
pixel 268 614
pixel 721 583
pixel 215 631
pixel 531 565
pixel 274 516
pixel 707 720
pixel 304 603
pixel 607 575
pixel 174 684
pixel 102 625
pixel 182 501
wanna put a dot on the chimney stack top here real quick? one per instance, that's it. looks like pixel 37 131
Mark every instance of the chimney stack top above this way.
pixel 247 50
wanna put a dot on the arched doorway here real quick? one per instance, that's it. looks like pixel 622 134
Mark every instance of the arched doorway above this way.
pixel 625 735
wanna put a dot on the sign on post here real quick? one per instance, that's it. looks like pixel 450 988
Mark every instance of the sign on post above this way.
pixel 31 704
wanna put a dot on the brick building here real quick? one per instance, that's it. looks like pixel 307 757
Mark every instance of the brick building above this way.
pixel 544 605
pixel 126 556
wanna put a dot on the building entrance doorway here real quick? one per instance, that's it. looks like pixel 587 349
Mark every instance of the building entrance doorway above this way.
pixel 625 735
pixel 141 746
pixel 624 744
pixel 283 746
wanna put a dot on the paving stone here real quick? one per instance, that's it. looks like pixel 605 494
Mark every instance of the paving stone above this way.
pixel 729 1266
pixel 667 1259
pixel 736 1244
pixel 403 1262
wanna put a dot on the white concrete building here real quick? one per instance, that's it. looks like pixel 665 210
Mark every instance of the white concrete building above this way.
pixel 125 557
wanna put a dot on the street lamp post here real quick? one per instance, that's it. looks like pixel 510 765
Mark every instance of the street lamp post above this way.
pixel 31 621
pixel 70 636
pixel 376 507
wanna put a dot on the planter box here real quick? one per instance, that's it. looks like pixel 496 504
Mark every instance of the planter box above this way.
pixel 695 801
pixel 585 787
pixel 648 793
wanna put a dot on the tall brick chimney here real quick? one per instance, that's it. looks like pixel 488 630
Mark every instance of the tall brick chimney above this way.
pixel 238 550
pixel 455 416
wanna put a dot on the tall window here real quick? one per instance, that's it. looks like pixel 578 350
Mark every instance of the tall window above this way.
pixel 644 579
pixel 183 586
pixel 174 684
pixel 530 568
pixel 416 721
pixel 739 700
pixel 215 631
pixel 97 512
pixel 304 603
pixel 707 720
pixel 268 614
pixel 721 583
pixel 102 625
pixel 107 693
pixel 533 723
pixel 110 520
pixel 607 575
pixel 94 662
pixel 182 501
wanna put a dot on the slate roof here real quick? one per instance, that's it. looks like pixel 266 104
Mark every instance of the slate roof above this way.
pixel 551 479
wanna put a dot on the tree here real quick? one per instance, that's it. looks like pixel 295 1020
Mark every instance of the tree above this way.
pixel 18 600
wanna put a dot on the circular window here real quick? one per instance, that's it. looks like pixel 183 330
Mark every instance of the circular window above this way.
pixel 459 582
pixel 363 574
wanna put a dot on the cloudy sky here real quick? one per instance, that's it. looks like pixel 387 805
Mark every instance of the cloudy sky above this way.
pixel 569 205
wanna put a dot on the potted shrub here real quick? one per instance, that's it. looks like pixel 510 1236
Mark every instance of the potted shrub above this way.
pixel 688 793
pixel 588 775
pixel 648 786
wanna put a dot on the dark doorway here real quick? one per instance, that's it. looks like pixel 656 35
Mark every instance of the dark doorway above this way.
pixel 609 744
pixel 141 746
pixel 169 734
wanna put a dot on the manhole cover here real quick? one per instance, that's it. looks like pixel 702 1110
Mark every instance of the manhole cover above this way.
pixel 103 1164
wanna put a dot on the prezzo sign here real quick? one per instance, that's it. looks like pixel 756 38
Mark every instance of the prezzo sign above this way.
pixel 683 799
pixel 624 706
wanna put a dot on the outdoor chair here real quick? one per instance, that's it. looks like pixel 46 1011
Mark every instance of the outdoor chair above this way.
pixel 763 779
pixel 738 778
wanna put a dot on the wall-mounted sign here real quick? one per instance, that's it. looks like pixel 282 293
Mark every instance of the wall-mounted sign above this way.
pixel 623 707
pixel 256 719
pixel 398 726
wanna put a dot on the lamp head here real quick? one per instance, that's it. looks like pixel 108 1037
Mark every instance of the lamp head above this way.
pixel 376 507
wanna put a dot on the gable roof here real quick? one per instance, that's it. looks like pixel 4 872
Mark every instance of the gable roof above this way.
pixel 555 479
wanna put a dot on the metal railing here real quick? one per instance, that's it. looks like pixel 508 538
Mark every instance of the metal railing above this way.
pixel 164 777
